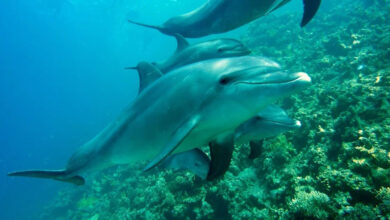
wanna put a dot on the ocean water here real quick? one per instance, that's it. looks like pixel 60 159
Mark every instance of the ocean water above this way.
pixel 62 81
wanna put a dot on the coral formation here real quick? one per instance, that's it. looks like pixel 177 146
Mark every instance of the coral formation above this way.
pixel 336 166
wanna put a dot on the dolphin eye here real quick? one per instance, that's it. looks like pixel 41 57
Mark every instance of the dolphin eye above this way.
pixel 197 164
pixel 224 81
pixel 222 49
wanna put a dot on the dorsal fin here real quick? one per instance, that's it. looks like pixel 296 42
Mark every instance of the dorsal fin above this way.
pixel 148 73
pixel 182 43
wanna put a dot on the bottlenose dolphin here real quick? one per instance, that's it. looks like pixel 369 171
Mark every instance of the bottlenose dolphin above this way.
pixel 195 105
pixel 269 122
pixel 187 53
pixel 219 16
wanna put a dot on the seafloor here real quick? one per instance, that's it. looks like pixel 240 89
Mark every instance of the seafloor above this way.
pixel 336 166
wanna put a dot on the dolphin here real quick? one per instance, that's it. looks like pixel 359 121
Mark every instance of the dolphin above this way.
pixel 187 53
pixel 269 122
pixel 195 105
pixel 219 16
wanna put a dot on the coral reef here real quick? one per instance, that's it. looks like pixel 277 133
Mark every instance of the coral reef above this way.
pixel 336 166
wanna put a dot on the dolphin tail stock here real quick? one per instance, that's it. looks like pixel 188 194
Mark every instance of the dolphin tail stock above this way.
pixel 60 175
pixel 131 68
pixel 146 25
pixel 310 9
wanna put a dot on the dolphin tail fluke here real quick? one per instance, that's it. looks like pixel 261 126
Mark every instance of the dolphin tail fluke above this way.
pixel 146 25
pixel 310 9
pixel 59 175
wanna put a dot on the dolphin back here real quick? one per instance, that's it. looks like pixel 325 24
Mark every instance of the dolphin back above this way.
pixel 60 175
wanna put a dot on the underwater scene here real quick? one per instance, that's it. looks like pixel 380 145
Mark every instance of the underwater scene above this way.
pixel 239 109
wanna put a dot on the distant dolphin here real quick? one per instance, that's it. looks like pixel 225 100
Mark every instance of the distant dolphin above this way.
pixel 269 122
pixel 187 53
pixel 219 16
pixel 196 105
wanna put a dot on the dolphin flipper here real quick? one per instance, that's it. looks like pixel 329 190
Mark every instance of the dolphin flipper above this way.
pixel 221 154
pixel 256 149
pixel 310 9
pixel 176 140
pixel 60 175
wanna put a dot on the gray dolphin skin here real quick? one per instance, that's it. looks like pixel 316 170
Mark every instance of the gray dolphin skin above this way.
pixel 269 122
pixel 193 160
pixel 186 53
pixel 195 105
pixel 219 16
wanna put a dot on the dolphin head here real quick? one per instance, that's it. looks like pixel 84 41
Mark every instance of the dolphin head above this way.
pixel 247 84
pixel 271 121
pixel 227 47
pixel 221 48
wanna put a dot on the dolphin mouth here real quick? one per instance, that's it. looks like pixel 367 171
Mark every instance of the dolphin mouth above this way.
pixel 292 124
pixel 298 77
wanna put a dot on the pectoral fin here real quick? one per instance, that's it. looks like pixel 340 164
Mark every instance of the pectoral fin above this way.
pixel 177 138
pixel 221 152
pixel 256 149
pixel 310 9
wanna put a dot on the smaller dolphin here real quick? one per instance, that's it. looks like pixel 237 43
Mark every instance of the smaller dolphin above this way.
pixel 187 53
pixel 219 16
pixel 270 122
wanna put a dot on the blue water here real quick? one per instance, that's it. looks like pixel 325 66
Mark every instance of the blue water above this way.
pixel 62 81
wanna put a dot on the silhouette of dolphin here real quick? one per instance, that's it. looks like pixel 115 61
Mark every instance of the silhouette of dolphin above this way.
pixel 219 16
pixel 195 105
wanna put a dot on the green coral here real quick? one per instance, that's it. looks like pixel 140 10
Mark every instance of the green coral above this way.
pixel 310 204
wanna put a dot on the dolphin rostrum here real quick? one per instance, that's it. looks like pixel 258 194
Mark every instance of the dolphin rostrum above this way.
pixel 219 16
pixel 192 106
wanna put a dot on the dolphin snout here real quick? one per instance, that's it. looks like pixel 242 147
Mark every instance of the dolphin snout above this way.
pixel 303 77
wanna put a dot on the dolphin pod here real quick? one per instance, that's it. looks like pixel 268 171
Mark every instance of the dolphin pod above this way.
pixel 195 105
pixel 219 16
